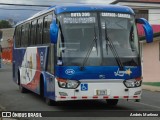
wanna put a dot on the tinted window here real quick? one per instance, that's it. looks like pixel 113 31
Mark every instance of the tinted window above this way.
pixel 18 36
pixel 39 30
pixel 24 36
pixel 46 30
pixel 33 32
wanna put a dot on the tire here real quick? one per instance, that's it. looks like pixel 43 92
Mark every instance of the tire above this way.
pixel 137 100
pixel 41 87
pixel 48 101
pixel 21 88
pixel 112 102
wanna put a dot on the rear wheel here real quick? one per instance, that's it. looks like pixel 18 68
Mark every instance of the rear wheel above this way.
pixel 112 102
pixel 21 88
pixel 137 100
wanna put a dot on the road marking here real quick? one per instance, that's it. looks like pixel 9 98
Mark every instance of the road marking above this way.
pixel 147 105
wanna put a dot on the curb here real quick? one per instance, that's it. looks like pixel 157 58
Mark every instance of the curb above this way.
pixel 6 62
pixel 151 88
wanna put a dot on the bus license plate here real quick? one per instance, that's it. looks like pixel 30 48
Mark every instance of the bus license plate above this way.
pixel 101 92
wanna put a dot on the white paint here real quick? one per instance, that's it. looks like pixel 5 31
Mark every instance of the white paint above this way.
pixel 154 16
pixel 29 64
pixel 147 105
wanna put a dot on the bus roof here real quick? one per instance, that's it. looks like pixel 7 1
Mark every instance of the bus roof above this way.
pixel 107 8
pixel 83 7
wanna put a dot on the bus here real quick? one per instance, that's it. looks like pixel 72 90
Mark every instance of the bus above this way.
pixel 80 52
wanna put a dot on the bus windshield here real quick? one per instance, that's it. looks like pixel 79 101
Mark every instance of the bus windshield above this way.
pixel 78 30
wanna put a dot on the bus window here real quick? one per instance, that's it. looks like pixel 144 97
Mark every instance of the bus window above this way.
pixel 23 36
pixel 39 30
pixel 46 32
pixel 27 34
pixel 19 37
pixel 16 37
pixel 33 32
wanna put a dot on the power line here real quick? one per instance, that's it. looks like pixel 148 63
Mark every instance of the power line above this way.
pixel 57 2
pixel 24 5
pixel 18 9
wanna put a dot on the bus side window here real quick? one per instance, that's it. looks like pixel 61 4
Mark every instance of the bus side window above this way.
pixel 46 27
pixel 33 32
pixel 19 36
pixel 39 30
pixel 29 34
pixel 23 35
pixel 16 37
pixel 31 39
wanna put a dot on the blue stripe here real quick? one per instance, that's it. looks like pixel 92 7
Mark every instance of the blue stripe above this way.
pixel 97 72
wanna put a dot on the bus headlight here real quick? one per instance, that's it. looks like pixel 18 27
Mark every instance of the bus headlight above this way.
pixel 133 83
pixel 69 84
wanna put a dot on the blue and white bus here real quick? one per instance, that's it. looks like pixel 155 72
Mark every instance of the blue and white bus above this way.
pixel 80 52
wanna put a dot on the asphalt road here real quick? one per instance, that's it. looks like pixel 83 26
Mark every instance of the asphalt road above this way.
pixel 12 100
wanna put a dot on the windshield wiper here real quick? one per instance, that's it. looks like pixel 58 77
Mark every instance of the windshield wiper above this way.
pixel 94 41
pixel 113 49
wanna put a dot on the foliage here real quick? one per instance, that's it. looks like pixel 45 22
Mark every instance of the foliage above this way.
pixel 4 24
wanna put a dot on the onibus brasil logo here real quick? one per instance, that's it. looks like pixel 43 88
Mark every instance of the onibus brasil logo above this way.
pixel 122 73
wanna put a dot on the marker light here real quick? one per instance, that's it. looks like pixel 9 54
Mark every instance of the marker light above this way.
pixel 133 83
pixel 68 84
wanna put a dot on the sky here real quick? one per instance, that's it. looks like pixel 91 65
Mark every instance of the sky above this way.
pixel 17 13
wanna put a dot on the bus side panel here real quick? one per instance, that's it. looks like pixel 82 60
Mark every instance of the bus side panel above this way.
pixel 49 86
pixel 32 67
pixel 18 56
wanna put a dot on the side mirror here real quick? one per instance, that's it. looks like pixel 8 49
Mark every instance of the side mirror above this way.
pixel 147 28
pixel 53 31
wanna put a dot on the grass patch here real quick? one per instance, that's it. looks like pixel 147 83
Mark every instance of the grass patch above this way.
pixel 152 83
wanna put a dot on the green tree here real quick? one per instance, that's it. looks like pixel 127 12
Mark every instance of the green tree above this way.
pixel 5 24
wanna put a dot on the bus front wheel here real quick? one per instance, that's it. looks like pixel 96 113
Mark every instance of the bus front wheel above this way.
pixel 49 101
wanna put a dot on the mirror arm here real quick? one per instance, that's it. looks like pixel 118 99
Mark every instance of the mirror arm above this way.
pixel 147 28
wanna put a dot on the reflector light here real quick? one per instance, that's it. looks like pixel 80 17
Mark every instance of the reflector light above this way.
pixel 73 97
pixel 116 97
pixel 84 97
pixel 95 96
pixel 125 96
pixel 135 96
pixel 63 97
pixel 105 97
